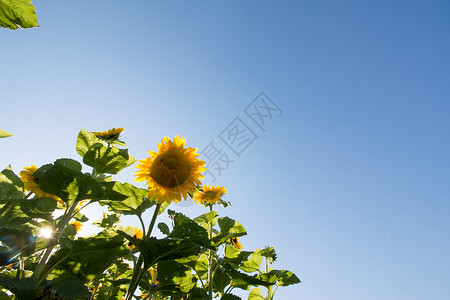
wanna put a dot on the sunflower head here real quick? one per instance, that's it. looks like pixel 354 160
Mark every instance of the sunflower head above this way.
pixel 111 135
pixel 209 195
pixel 154 276
pixel 172 172
pixel 138 234
pixel 77 225
pixel 236 244
pixel 31 183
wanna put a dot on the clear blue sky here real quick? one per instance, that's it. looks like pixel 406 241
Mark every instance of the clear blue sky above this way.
pixel 350 183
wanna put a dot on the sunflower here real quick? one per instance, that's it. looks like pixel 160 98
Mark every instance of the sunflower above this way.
pixel 110 135
pixel 77 225
pixel 209 195
pixel 138 234
pixel 31 183
pixel 153 276
pixel 236 244
pixel 172 172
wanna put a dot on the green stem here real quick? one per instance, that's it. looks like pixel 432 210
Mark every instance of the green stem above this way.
pixel 142 225
pixel 210 261
pixel 138 272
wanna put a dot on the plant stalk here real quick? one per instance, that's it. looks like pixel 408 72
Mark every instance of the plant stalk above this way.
pixel 138 272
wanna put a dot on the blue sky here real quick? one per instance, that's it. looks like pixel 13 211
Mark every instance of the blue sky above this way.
pixel 350 183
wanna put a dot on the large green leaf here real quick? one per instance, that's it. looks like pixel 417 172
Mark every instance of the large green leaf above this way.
pixel 38 207
pixel 186 228
pixel 230 297
pixel 85 140
pixel 204 219
pixel 72 290
pixel 283 277
pixel 11 187
pixel 16 14
pixel 242 280
pixel 220 280
pixel 86 257
pixel 16 242
pixel 108 220
pixel 109 160
pixel 255 294
pixel 23 288
pixel 12 216
pixel 134 200
pixel 174 277
pixel 228 228
pixel 69 184
pixel 156 250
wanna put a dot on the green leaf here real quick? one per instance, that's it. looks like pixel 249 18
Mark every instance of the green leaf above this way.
pixel 242 280
pixel 164 228
pixel 255 294
pixel 269 252
pixel 23 288
pixel 85 140
pixel 186 228
pixel 39 207
pixel 230 297
pixel 72 290
pixel 86 258
pixel 197 294
pixel 16 14
pixel 108 220
pixel 173 276
pixel 16 241
pixel 12 216
pixel 69 163
pixel 155 250
pixel 228 228
pixel 204 219
pixel 221 279
pixel 201 266
pixel 135 202
pixel 252 264
pixel 80 217
pixel 69 184
pixel 11 187
pixel 4 296
pixel 106 159
pixel 283 277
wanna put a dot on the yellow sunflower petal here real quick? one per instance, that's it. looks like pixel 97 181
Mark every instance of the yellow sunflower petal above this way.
pixel 77 225
pixel 236 244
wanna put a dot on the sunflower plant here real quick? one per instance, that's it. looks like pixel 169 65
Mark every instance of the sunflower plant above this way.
pixel 43 255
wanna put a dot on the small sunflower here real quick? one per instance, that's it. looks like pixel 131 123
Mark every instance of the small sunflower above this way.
pixel 109 135
pixel 154 276
pixel 236 244
pixel 209 195
pixel 77 225
pixel 31 183
pixel 138 234
pixel 172 172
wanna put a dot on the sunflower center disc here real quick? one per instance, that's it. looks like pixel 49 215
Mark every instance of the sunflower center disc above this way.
pixel 210 194
pixel 170 171
pixel 171 162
